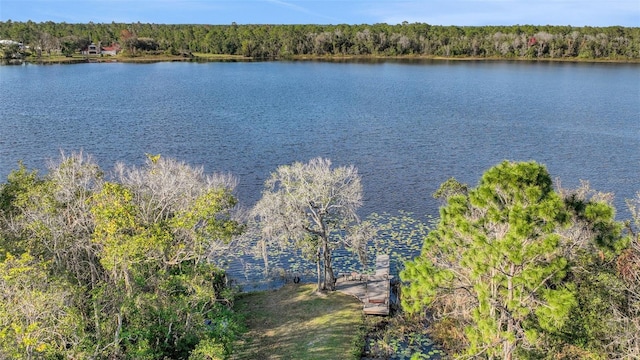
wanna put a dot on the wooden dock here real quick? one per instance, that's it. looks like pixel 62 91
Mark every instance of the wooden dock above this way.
pixel 372 290
pixel 376 301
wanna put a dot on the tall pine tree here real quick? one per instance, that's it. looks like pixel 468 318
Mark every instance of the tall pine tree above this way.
pixel 494 263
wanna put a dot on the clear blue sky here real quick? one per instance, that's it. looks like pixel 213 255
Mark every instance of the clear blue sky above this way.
pixel 435 12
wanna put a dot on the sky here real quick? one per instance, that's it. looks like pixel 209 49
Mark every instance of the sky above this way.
pixel 434 12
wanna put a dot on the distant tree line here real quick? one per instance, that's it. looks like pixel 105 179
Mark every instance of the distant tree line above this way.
pixel 285 41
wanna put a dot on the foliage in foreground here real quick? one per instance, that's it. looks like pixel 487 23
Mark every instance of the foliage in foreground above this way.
pixel 516 269
pixel 115 269
pixel 120 268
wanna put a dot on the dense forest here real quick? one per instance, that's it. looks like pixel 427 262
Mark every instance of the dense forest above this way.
pixel 287 41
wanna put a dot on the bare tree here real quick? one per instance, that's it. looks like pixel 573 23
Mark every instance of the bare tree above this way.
pixel 581 235
pixel 53 215
pixel 45 42
pixel 196 203
pixel 314 206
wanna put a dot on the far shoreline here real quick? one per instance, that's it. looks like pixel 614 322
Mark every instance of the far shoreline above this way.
pixel 200 57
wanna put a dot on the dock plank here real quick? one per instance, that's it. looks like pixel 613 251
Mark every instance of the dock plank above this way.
pixel 373 290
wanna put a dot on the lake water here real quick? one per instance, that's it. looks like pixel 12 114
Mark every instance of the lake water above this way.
pixel 407 126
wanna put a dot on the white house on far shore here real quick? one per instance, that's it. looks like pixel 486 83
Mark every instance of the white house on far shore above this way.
pixel 11 42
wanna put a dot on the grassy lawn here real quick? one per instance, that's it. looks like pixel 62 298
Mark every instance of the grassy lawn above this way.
pixel 294 322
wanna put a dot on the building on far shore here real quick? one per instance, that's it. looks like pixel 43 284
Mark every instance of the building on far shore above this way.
pixel 112 50
pixel 94 49
pixel 11 42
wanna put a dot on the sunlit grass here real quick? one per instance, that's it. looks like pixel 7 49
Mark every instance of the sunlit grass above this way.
pixel 295 322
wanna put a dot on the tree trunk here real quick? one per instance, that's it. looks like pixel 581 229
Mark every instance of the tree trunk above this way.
pixel 508 346
pixel 318 269
pixel 116 339
pixel 265 256
pixel 329 278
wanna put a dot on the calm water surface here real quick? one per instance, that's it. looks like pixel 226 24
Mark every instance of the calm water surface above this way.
pixel 407 127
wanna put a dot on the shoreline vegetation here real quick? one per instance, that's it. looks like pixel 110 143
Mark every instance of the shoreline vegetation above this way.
pixel 197 57
pixel 51 42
